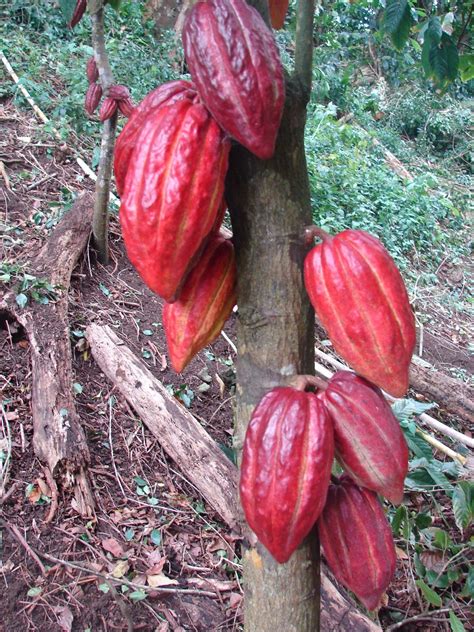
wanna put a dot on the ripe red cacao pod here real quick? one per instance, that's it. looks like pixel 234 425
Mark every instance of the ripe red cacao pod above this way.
pixel 126 107
pixel 92 71
pixel 357 541
pixel 107 109
pixel 368 439
pixel 286 467
pixel 167 93
pixel 93 97
pixel 172 193
pixel 79 10
pixel 359 296
pixel 234 62
pixel 278 11
pixel 204 304
pixel 119 92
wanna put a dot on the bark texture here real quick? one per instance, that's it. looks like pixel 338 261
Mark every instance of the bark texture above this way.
pixel 270 206
pixel 58 438
pixel 181 436
pixel 200 459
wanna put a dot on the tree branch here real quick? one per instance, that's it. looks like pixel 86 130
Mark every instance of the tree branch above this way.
pixel 104 173
pixel 304 44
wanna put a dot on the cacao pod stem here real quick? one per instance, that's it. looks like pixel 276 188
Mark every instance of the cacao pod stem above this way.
pixel 302 382
pixel 311 232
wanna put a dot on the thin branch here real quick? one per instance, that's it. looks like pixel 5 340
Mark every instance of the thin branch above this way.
pixel 100 222
pixel 304 44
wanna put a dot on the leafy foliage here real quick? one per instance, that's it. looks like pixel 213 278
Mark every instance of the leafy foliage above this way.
pixel 398 21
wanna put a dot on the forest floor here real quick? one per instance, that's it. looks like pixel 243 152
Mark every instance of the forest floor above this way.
pixel 152 525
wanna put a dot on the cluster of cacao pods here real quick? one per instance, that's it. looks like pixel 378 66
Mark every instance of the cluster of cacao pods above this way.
pixel 118 96
pixel 171 161
pixel 285 483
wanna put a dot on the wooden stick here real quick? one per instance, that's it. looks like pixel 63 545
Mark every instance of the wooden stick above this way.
pixel 427 419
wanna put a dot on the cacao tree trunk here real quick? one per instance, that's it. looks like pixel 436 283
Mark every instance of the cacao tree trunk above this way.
pixel 269 203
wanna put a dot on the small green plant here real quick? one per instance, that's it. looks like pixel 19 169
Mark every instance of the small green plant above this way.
pixel 27 286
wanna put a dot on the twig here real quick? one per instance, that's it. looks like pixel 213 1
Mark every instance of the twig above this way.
pixel 7 449
pixel 5 175
pixel 16 534
pixel 304 44
pixel 54 495
pixel 427 419
pixel 419 617
pixel 117 475
pixel 100 221
pixel 41 181
pixel 229 341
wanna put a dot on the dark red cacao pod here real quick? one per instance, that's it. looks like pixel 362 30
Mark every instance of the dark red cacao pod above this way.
pixel 278 11
pixel 167 93
pixel 234 62
pixel 93 97
pixel 357 541
pixel 368 439
pixel 204 304
pixel 126 107
pixel 286 467
pixel 172 193
pixel 107 109
pixel 119 92
pixel 92 71
pixel 79 10
pixel 360 298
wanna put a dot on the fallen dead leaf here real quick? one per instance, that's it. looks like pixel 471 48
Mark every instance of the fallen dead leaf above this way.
pixel 65 618
pixel 113 546
pixel 401 554
pixel 161 580
pixel 120 569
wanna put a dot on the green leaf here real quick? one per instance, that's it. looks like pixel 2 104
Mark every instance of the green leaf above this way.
pixel 147 332
pixel 21 300
pixel 429 594
pixel 137 595
pixel 104 588
pixel 455 623
pixel 155 537
pixel 115 4
pixel 35 591
pixel 466 67
pixel 423 521
pixel 105 290
pixel 418 446
pixel 398 21
pixel 441 539
pixel 140 481
pixel 404 409
pixel 77 388
pixel 463 504
pixel 67 8
pixel 129 534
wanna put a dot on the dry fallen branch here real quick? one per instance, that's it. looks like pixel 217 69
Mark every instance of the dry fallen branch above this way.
pixel 195 452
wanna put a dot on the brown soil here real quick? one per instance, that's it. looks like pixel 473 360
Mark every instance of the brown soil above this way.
pixel 151 522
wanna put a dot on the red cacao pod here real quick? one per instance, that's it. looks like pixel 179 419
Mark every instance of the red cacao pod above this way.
pixel 204 304
pixel 92 71
pixel 119 92
pixel 126 107
pixel 79 10
pixel 93 97
pixel 360 298
pixel 107 109
pixel 368 439
pixel 172 193
pixel 167 93
pixel 357 541
pixel 234 62
pixel 278 11
pixel 286 467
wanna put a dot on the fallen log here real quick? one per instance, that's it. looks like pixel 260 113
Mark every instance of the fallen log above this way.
pixel 198 456
pixel 58 438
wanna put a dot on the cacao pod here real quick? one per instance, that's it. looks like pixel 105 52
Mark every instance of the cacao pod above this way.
pixel 92 71
pixel 234 62
pixel 286 467
pixel 360 298
pixel 368 439
pixel 126 107
pixel 357 541
pixel 278 11
pixel 172 193
pixel 167 93
pixel 107 109
pixel 93 97
pixel 79 10
pixel 204 304
pixel 119 92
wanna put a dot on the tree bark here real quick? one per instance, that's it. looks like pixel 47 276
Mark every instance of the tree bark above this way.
pixel 191 447
pixel 58 438
pixel 270 206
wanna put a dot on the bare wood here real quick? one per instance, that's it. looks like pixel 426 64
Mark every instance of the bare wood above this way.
pixel 180 434
pixel 58 438
pixel 452 395
pixel 198 456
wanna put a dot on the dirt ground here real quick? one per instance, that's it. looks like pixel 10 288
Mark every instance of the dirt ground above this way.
pixel 152 527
